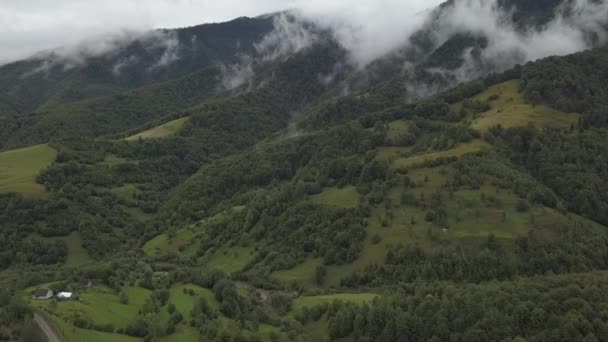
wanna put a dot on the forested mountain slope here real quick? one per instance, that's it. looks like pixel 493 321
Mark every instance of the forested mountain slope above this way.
pixel 312 200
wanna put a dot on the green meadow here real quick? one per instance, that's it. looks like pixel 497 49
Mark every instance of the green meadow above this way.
pixel 346 197
pixel 509 109
pixel 77 255
pixel 163 244
pixel 162 131
pixel 127 191
pixel 19 169
pixel 397 128
pixel 312 301
pixel 459 151
pixel 230 259
pixel 99 305
pixel 184 302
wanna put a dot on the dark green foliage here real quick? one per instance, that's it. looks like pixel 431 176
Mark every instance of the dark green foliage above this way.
pixel 568 308
pixel 573 164
pixel 576 83
pixel 242 175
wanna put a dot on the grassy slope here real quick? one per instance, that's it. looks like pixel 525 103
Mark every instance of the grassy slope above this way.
pixel 458 151
pixel 19 169
pixel 184 303
pixel 73 334
pixel 312 301
pixel 472 214
pixel 510 110
pixel 346 197
pixel 162 131
pixel 77 255
pixel 126 191
pixel 230 259
pixel 396 128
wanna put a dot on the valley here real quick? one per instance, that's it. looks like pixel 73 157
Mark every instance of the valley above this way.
pixel 411 205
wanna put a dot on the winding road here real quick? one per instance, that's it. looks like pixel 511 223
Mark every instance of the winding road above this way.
pixel 51 335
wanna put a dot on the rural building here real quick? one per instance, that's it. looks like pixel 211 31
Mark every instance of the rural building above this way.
pixel 64 295
pixel 43 294
pixel 85 283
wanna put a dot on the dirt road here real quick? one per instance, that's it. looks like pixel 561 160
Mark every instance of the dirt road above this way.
pixel 51 335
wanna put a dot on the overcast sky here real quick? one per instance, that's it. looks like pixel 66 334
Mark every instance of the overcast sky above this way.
pixel 29 26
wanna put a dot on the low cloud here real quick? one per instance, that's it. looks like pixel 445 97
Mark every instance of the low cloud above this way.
pixel 368 29
pixel 109 46
pixel 570 31
pixel 372 29
pixel 291 34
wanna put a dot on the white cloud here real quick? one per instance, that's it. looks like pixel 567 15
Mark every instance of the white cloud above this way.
pixel 29 26
pixel 507 45
pixel 368 29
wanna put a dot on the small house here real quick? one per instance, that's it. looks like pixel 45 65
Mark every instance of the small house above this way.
pixel 42 294
pixel 64 295
pixel 85 283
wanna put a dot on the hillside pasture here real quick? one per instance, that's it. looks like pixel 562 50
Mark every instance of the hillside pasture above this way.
pixel 162 131
pixel 508 109
pixel 165 244
pixel 346 197
pixel 397 128
pixel 19 169
pixel 230 259
pixel 303 273
pixel 184 302
pixel 312 301
pixel 459 151
pixel 100 306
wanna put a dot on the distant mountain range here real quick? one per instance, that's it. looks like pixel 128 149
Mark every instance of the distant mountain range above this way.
pixel 266 179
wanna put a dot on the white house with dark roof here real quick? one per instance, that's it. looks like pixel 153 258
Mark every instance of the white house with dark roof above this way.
pixel 42 294
pixel 64 295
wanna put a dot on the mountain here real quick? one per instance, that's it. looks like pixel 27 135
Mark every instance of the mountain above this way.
pixel 263 184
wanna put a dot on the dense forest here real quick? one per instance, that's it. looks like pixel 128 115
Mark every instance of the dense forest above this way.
pixel 313 202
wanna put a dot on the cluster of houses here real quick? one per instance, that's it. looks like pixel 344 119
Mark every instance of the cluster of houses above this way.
pixel 46 294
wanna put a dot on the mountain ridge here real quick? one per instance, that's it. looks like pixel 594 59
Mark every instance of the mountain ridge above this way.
pixel 286 193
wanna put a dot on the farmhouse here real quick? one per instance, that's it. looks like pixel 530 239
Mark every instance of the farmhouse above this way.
pixel 64 295
pixel 42 294
pixel 85 283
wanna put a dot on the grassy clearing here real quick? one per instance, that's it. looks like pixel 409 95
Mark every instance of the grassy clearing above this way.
pixel 472 215
pixel 99 305
pixel 302 274
pixel 397 128
pixel 113 160
pixel 126 191
pixel 509 109
pixel 346 197
pixel 77 255
pixel 184 241
pixel 73 334
pixel 312 301
pixel 184 302
pixel 231 259
pixel 156 246
pixel 137 295
pixel 137 213
pixel 164 244
pixel 183 334
pixel 393 153
pixel 459 151
pixel 265 332
pixel 19 169
pixel 162 131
